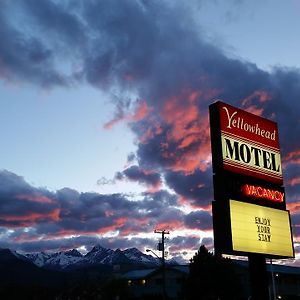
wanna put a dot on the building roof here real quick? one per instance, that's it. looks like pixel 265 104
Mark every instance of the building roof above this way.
pixel 274 267
pixel 144 273
pixel 137 274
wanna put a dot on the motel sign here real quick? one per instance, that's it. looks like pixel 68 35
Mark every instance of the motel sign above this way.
pixel 249 211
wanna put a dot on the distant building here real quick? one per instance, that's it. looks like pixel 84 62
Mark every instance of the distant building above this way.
pixel 149 282
pixel 286 280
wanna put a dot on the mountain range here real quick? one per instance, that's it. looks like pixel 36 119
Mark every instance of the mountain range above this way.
pixel 98 256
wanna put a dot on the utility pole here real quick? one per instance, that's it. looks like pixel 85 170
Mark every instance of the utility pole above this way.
pixel 161 247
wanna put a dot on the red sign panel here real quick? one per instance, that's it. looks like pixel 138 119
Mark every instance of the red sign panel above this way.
pixel 249 143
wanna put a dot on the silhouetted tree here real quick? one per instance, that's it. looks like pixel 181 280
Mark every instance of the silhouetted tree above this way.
pixel 212 277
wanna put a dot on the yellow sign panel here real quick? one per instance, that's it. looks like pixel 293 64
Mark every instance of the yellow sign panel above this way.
pixel 259 229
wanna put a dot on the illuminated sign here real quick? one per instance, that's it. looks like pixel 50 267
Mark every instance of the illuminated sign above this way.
pixel 228 185
pixel 245 143
pixel 262 192
pixel 247 167
pixel 259 229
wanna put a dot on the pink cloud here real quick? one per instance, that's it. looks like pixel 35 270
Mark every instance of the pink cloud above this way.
pixel 260 96
pixel 31 218
pixel 140 112
pixel 169 225
pixel 293 157
pixel 294 207
pixel 189 129
pixel 35 198
pixel 293 181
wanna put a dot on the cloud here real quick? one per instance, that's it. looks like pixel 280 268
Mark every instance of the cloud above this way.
pixel 23 205
pixel 198 220
pixel 34 218
pixel 134 173
pixel 133 46
pixel 195 188
pixel 23 55
pixel 180 242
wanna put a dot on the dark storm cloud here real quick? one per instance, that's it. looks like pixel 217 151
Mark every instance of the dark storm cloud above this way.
pixel 207 242
pixel 131 157
pixel 88 241
pixel 152 48
pixel 198 220
pixel 177 246
pixel 150 153
pixel 22 204
pixel 292 182
pixel 61 244
pixel 123 243
pixel 296 233
pixel 107 40
pixel 58 21
pixel 125 40
pixel 138 44
pixel 11 183
pixel 295 220
pixel 286 87
pixel 178 242
pixel 37 215
pixel 135 173
pixel 154 203
pixel 24 56
pixel 196 187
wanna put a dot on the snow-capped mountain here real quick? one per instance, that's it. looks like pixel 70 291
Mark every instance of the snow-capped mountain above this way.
pixel 97 256
pixel 62 260
pixel 136 255
pixel 38 259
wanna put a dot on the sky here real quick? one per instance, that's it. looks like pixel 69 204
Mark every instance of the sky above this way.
pixel 104 115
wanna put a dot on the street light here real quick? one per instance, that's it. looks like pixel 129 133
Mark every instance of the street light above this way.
pixel 149 250
pixel 162 260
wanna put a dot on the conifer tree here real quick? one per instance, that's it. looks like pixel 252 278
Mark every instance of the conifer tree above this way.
pixel 212 277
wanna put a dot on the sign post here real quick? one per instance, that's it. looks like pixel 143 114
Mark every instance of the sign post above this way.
pixel 258 277
pixel 249 211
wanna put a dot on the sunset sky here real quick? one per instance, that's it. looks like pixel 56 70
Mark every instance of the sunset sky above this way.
pixel 104 115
